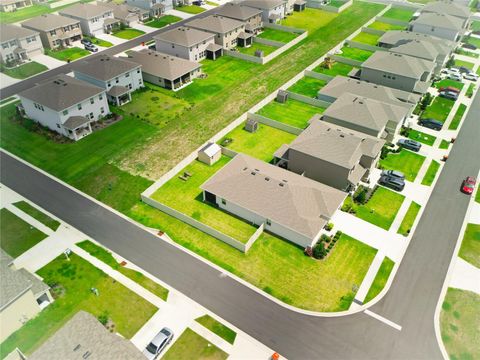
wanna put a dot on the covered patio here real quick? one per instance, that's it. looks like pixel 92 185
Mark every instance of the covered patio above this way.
pixel 245 39
pixel 111 24
pixel 119 95
pixel 214 51
pixel 77 127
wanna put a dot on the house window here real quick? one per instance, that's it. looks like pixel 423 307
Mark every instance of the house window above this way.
pixel 140 82
pixel 100 97
pixel 127 75
pixel 102 110
pixel 79 106
pixel 5 46
pixel 65 112
pixel 92 101
pixel 224 202
pixel 109 84
pixel 58 126
pixel 91 115
pixel 268 222
pixel 138 71
pixel 13 43
pixel 53 32
pixel 116 80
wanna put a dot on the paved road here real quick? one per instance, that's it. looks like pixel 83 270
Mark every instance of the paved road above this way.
pixel 411 301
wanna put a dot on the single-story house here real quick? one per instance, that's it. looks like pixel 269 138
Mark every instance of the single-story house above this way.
pixel 91 17
pixel 333 155
pixel 366 115
pixel 22 296
pixel 210 153
pixel 165 70
pixel 118 76
pixel 440 25
pixel 250 16
pixel 272 10
pixel 18 44
pixel 289 205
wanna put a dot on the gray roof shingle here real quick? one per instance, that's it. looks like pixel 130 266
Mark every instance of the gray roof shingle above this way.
pixel 48 22
pixel 215 24
pixel 105 67
pixel 237 11
pixel 263 4
pixel 13 283
pixel 447 7
pixel 439 20
pixel 399 64
pixel 85 10
pixel 399 37
pixel 11 32
pixel 184 36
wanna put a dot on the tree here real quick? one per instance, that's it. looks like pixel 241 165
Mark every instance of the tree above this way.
pixel 450 62
pixel 319 251
pixel 426 100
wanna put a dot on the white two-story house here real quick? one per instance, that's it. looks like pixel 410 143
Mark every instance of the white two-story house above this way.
pixel 65 105
pixel 18 44
pixel 156 7
pixel 91 17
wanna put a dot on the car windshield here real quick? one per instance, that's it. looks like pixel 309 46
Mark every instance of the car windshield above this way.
pixel 152 348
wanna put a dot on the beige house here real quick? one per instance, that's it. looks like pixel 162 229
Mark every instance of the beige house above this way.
pixel 18 44
pixel 22 296
pixel 55 30
pixel 250 16
pixel 14 5
pixel 331 154
pixel 210 154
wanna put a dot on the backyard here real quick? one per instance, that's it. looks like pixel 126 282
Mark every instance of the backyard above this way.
pixel 337 68
pixel 71 281
pixel 308 86
pixel 292 112
pixel 407 222
pixel 470 249
pixel 431 173
pixel 377 25
pixel 218 328
pixel 67 54
pixel 277 35
pixel 38 215
pixel 380 279
pixel 405 161
pixel 260 144
pixel 267 49
pixel 355 53
pixel 163 21
pixel 128 33
pixel 366 38
pixel 401 14
pixel 23 71
pixel 438 109
pixel 190 345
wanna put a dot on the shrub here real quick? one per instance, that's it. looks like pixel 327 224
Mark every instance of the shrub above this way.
pixel 319 251
pixel 426 100
pixel 346 207
pixel 405 131
pixel 338 234
pixel 450 62
pixel 103 318
pixel 324 238
pixel 361 195
pixel 384 152
pixel 329 226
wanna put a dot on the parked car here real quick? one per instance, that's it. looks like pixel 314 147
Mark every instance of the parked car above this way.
pixel 431 124
pixel 449 95
pixel 471 76
pixel 409 144
pixel 85 41
pixel 394 173
pixel 469 46
pixel 392 182
pixel 450 88
pixel 91 47
pixel 450 71
pixel 468 185
pixel 158 343
pixel 464 70
pixel 455 76
pixel 198 3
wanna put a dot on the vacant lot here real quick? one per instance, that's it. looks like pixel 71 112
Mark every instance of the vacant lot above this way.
pixel 470 249
pixel 23 71
pixel 277 35
pixel 307 86
pixel 405 161
pixel 409 219
pixel 293 112
pixel 380 279
pixel 190 345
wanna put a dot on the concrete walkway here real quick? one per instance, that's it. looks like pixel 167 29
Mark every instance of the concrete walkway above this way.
pixel 465 276
pixel 6 80
pixel 180 14
pixel 48 61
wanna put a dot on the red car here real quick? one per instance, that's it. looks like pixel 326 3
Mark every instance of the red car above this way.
pixel 468 185
pixel 450 88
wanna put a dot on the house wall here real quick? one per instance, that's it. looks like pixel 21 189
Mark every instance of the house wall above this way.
pixel 279 10
pixel 443 33
pixel 17 313
pixel 396 81
pixel 289 6
pixel 193 53
pixel 229 40
pixel 93 26
pixel 32 44
pixel 49 40
pixel 209 159
pixel 147 4
pixel 130 79
pixel 255 21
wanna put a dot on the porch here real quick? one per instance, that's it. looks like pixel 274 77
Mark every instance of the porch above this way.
pixel 119 95
pixel 110 25
pixel 245 39
pixel 77 127
pixel 214 51
pixel 179 83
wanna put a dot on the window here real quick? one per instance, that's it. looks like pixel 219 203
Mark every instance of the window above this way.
pixel 268 222
pixel 100 97
pixel 53 32
pixel 13 43
pixel 139 81
pixel 116 80
pixel 109 84
pixel 92 101
pixel 58 126
pixel 79 106
pixel 38 106
pixel 102 110
pixel 224 202
pixel 65 112
pixel 127 75
pixel 138 71
pixel 91 115
pixel 5 46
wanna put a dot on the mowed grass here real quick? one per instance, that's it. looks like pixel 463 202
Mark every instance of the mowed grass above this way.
pixel 267 49
pixel 107 257
pixel 99 42
pixel 405 161
pixel 190 9
pixel 30 12
pixel 470 249
pixel 355 53
pixel 431 173
pixel 190 345
pixel 292 112
pixel 459 322
pixel 381 209
pixel 447 82
pixel 186 197
pixel 23 71
pixel 163 21
pixel 72 280
pixel 310 19
pixel 68 54
pixel 17 236
pixel 457 118
pixel 377 25
pixel 444 144
pixel 366 38
pixel 380 279
pixel 421 137
pixel 401 14
pixel 308 86
pixel 409 218
pixel 128 34
pixel 218 328
pixel 463 63
pixel 38 215
pixel 277 35
pixel 438 109
pixel 337 68
pixel 261 144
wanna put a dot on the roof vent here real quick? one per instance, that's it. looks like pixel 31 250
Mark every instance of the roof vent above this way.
pixel 86 355
pixel 253 173
pixel 267 178
pixel 77 347
pixel 245 168
pixel 342 136
pixel 285 181
pixel 281 184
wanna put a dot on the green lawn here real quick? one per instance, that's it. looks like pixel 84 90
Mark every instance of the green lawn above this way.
pixel 23 71
pixel 377 25
pixel 308 86
pixel 430 174
pixel 409 219
pixel 444 144
pixel 421 137
pixel 381 209
pixel 17 236
pixel 260 144
pixel 163 21
pixel 99 42
pixel 438 109
pixel 405 161
pixel 190 9
pixel 474 41
pixel 277 35
pixel 380 279
pixel 37 214
pixel 355 53
pixel 338 68
pixel 107 257
pixel 68 54
pixel 186 197
pixel 190 345
pixel 466 64
pixel 310 19
pixel 457 117
pixel 466 52
pixel 459 321
pixel 293 112
pixel 71 281
pixel 267 49
pixel 401 14
pixel 475 26
pixel 218 328
pixel 128 34
pixel 366 38
pixel 470 249
pixel 336 3
pixel 471 88
pixel 448 82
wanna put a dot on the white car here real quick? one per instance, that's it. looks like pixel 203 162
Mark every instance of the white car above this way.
pixel 470 76
pixel 451 71
pixel 455 76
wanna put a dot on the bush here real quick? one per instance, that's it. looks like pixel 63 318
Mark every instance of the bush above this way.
pixel 361 195
pixel 346 207
pixel 450 62
pixel 405 131
pixel 384 152
pixel 319 251
pixel 103 318
pixel 324 238
pixel 338 234
pixel 329 226
pixel 426 100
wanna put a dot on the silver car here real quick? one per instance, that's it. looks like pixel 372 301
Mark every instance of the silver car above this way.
pixel 158 343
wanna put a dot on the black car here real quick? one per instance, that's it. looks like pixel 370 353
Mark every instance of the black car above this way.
pixel 431 124
pixel 394 173
pixel 464 70
pixel 448 95
pixel 469 46
pixel 86 41
pixel 409 144
pixel 392 182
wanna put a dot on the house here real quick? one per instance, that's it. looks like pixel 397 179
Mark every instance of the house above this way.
pixel 449 8
pixel 341 84
pixel 128 15
pixel 289 205
pixel 55 30
pixel 188 43
pixel 228 32
pixel 399 39
pixel 18 44
pixel 210 154
pixel 250 16
pixel 156 7
pixel 398 71
pixel 14 5
pixel 272 10
pixel 333 155
pixel 91 17
pixel 65 105
pixel 165 70
pixel 118 76
pixel 438 25
pixel 22 296
pixel 366 115
pixel 84 337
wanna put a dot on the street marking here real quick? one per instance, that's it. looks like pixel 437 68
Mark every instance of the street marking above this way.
pixel 382 319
